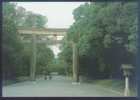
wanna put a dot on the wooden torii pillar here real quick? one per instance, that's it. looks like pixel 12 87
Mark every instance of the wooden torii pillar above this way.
pixel 33 58
pixel 75 63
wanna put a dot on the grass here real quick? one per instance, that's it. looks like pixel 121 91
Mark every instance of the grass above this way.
pixel 111 83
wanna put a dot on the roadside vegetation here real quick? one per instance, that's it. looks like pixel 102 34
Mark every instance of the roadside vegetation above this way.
pixel 106 37
pixel 105 34
pixel 16 55
pixel 115 85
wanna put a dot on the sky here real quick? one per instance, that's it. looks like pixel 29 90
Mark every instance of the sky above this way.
pixel 59 14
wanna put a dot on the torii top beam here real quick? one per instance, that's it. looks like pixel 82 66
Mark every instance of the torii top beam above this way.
pixel 43 31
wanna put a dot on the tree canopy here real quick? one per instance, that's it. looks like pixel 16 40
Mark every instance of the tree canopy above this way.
pixel 105 34
pixel 16 55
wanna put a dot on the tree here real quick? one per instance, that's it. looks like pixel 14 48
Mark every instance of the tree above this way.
pixel 45 58
pixel 11 44
pixel 16 55
pixel 104 28
pixel 29 19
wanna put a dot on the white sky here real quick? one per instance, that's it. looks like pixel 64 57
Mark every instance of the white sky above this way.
pixel 59 14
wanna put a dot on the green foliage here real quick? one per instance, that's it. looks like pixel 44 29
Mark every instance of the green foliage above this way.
pixel 66 56
pixel 22 17
pixel 8 10
pixel 33 20
pixel 45 58
pixel 59 66
pixel 100 29
pixel 11 45
pixel 16 56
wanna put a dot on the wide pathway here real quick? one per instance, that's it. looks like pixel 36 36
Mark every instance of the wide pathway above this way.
pixel 57 87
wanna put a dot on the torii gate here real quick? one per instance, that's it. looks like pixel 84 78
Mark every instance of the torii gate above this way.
pixel 49 36
pixel 40 35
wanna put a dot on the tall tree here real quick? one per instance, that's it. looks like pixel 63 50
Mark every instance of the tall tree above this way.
pixel 104 28
pixel 11 45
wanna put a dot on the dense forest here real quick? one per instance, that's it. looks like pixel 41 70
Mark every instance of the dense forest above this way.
pixel 105 35
pixel 16 55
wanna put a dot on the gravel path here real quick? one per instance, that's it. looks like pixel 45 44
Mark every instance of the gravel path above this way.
pixel 57 87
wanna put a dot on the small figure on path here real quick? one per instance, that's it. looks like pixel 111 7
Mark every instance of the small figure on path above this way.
pixel 49 74
pixel 45 74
